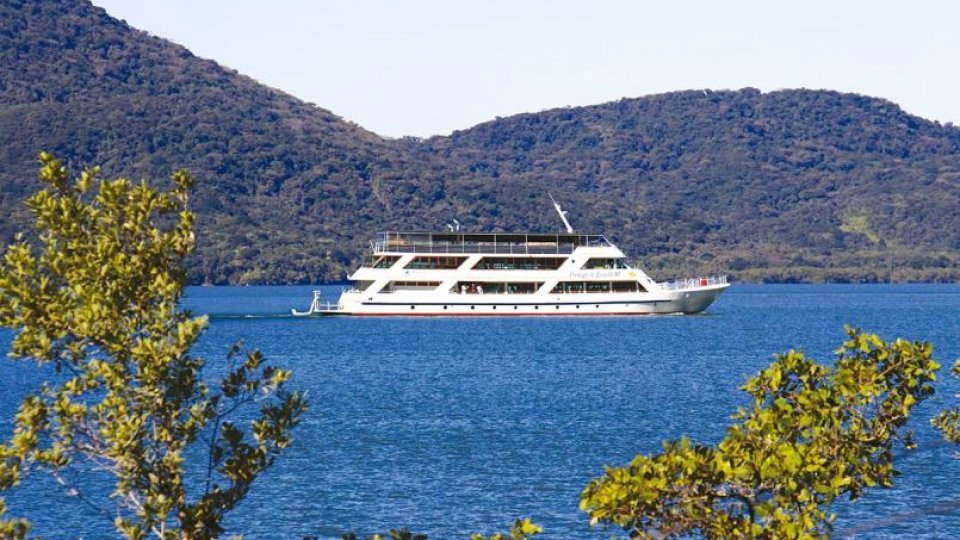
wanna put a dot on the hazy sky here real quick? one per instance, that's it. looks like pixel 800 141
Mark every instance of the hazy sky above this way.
pixel 418 67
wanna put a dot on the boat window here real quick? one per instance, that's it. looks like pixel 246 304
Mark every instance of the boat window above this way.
pixel 568 287
pixel 598 286
pixel 396 286
pixel 606 264
pixel 627 286
pixel 495 287
pixel 519 263
pixel 595 287
pixel 435 263
pixel 362 285
pixel 523 288
pixel 381 261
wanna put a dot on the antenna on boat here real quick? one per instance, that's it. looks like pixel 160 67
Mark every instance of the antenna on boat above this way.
pixel 563 214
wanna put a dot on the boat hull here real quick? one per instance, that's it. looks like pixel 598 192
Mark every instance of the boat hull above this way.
pixel 687 301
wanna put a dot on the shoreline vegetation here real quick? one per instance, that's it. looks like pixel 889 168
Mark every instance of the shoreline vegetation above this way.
pixel 802 267
pixel 779 276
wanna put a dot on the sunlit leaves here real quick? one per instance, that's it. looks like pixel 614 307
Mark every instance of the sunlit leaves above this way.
pixel 12 529
pixel 96 297
pixel 394 534
pixel 522 529
pixel 948 421
pixel 812 434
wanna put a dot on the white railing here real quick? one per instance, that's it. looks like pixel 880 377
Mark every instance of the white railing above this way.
pixel 316 306
pixel 495 249
pixel 692 283
pixel 490 243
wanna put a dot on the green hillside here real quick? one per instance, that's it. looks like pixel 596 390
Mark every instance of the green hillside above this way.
pixel 790 185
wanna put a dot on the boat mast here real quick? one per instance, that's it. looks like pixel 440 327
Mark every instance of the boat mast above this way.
pixel 563 214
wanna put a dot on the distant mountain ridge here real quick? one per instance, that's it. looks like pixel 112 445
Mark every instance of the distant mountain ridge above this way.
pixel 780 186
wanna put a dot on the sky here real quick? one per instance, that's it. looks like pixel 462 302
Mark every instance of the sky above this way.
pixel 429 67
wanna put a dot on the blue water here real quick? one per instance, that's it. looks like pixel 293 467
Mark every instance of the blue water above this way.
pixel 453 426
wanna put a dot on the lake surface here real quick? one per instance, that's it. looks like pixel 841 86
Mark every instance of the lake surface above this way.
pixel 453 426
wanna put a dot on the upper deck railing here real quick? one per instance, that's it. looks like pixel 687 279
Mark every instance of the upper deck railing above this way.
pixel 497 243
pixel 691 283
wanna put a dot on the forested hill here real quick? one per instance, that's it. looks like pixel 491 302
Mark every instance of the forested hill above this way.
pixel 787 185
pixel 780 186
pixel 287 191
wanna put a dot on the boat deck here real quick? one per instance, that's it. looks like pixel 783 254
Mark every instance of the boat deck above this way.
pixel 495 243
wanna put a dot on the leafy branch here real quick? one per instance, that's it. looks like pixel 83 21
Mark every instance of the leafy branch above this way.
pixel 812 434
pixel 98 299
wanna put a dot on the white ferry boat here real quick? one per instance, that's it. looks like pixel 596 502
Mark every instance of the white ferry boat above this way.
pixel 474 274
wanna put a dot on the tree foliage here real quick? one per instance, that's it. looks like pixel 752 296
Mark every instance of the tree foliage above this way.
pixel 948 421
pixel 97 301
pixel 394 534
pixel 522 529
pixel 812 434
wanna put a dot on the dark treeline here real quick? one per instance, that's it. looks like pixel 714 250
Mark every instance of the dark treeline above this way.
pixel 793 185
